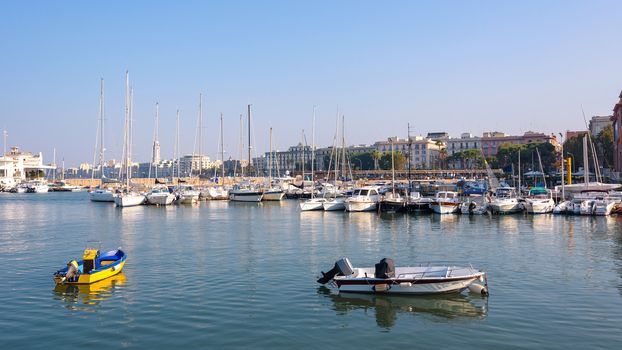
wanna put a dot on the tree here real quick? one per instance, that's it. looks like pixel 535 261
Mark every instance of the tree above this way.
pixel 398 158
pixel 376 155
pixel 362 161
pixel 604 146
pixel 508 155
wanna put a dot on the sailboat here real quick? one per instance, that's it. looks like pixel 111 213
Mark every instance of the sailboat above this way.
pixel 392 201
pixel 312 203
pixel 128 198
pixel 101 193
pixel 540 199
pixel 272 193
pixel 159 193
pixel 337 202
pixel 245 192
pixel 185 194
pixel 220 192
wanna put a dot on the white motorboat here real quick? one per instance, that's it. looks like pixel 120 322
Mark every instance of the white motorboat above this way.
pixel 505 201
pixel 385 278
pixel 273 194
pixel 129 199
pixel 539 201
pixel 188 194
pixel 37 186
pixel 160 195
pixel 363 199
pixel 101 195
pixel 334 204
pixel 565 207
pixel 217 193
pixel 445 202
pixel 239 194
pixel 418 203
pixel 312 204
pixel 603 207
pixel 475 204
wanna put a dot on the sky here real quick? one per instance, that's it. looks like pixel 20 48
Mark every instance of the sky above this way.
pixel 453 66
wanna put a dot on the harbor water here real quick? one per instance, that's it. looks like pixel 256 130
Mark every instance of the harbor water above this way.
pixel 241 275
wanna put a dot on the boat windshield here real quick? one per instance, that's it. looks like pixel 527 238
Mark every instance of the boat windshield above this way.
pixel 364 193
pixel 504 193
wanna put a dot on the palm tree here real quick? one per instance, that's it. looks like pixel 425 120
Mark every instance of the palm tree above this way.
pixel 376 155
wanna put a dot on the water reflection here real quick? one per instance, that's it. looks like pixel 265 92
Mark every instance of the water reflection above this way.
pixel 441 308
pixel 87 297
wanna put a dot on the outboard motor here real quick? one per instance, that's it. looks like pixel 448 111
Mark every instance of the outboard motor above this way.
pixel 385 268
pixel 342 267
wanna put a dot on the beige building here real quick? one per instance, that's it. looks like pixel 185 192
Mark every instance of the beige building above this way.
pixel 425 152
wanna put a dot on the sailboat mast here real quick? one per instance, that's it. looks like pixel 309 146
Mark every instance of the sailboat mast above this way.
pixel 101 127
pixel 200 134
pixel 392 168
pixel 313 150
pixel 586 164
pixel 249 139
pixel 519 184
pixel 222 150
pixel 176 152
pixel 127 130
pixel 270 161
pixel 343 146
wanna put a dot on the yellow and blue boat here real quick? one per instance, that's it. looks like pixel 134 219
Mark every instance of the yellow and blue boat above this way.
pixel 92 268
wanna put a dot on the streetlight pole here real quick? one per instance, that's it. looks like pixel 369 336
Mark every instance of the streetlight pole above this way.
pixel 572 155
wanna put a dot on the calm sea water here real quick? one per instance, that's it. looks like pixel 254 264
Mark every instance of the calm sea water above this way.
pixel 240 275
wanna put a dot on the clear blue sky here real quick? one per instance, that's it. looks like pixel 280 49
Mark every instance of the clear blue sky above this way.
pixel 455 66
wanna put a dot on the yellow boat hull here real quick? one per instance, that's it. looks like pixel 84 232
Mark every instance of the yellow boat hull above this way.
pixel 88 278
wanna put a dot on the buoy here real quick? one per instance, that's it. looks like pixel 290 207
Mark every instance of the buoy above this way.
pixel 478 289
pixel 381 287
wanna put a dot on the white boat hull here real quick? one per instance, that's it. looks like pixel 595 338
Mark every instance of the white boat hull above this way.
pixel 130 200
pixel 101 196
pixel 354 206
pixel 189 198
pixel 160 199
pixel 539 206
pixel 245 196
pixel 505 207
pixel 273 195
pixel 312 204
pixel 334 205
pixel 444 208
pixel 411 288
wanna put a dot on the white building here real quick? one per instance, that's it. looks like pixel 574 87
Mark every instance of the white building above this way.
pixel 598 123
pixel 424 151
pixel 465 142
pixel 17 166
pixel 194 164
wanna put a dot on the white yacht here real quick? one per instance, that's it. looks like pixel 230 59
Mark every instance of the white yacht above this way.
pixel 273 194
pixel 539 201
pixel 188 194
pixel 334 204
pixel 100 194
pixel 313 204
pixel 129 199
pixel 363 199
pixel 160 195
pixel 445 202
pixel 37 186
pixel 245 194
pixel 505 201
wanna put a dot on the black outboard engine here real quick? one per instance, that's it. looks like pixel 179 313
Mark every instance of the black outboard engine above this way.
pixel 342 267
pixel 385 268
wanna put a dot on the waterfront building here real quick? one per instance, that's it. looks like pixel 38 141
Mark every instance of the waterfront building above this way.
pixel 466 141
pixel 598 123
pixel 616 120
pixel 194 164
pixel 491 141
pixel 424 151
pixel 18 166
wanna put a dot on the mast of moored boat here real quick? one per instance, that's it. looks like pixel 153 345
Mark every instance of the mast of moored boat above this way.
pixel 222 150
pixel 249 140
pixel 392 169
